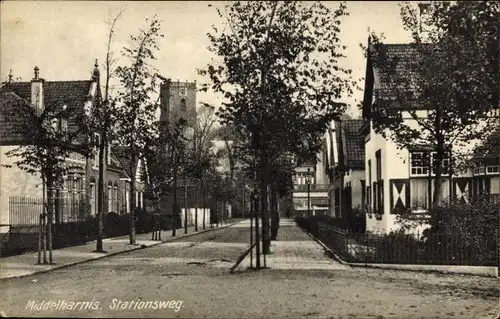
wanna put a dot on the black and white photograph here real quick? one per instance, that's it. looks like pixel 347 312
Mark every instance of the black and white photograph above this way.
pixel 250 159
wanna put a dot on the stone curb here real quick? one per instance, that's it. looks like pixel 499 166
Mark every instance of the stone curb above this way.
pixel 116 253
pixel 483 271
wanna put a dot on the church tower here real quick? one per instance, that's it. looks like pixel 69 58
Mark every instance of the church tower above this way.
pixel 178 100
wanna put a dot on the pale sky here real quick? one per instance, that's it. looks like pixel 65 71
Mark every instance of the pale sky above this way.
pixel 63 38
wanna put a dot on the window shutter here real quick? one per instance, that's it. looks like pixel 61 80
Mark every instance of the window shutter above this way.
pixel 399 194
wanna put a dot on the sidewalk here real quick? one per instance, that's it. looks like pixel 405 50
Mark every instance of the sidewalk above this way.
pixel 293 250
pixel 26 264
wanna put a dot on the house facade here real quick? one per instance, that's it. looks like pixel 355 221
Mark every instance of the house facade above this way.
pixel 20 191
pixel 347 169
pixel 310 192
pixel 403 178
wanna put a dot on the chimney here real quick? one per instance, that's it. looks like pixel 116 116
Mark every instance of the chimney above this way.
pixel 37 91
pixel 10 76
pixel 96 75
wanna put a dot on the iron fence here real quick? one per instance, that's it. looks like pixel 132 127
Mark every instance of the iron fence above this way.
pixel 24 211
pixel 404 248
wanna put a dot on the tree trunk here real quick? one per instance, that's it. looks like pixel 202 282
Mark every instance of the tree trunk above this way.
pixel 204 202
pixel 175 206
pixel 196 206
pixel 50 216
pixel 437 196
pixel 274 212
pixel 257 209
pixel 101 192
pixel 43 223
pixel 440 153
pixel 185 204
pixel 132 198
pixel 265 217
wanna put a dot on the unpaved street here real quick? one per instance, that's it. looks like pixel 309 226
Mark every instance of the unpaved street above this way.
pixel 194 272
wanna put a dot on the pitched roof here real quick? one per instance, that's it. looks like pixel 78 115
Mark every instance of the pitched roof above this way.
pixel 9 101
pixel 72 93
pixel 351 145
pixel 395 73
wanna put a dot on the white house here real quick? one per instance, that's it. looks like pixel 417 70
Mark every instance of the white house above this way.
pixel 399 178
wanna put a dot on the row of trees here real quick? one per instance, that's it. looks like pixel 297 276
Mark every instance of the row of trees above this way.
pixel 282 80
pixel 123 118
pixel 281 75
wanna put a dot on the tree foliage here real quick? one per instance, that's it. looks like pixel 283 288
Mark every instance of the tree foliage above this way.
pixel 135 111
pixel 281 75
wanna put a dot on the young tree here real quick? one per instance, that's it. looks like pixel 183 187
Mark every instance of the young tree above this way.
pixel 50 142
pixel 101 120
pixel 448 84
pixel 136 111
pixel 281 77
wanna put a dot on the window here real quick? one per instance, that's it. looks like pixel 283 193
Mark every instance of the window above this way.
pixel 419 198
pixel 183 105
pixel 445 164
pixel 419 164
pixel 92 199
pixel 97 142
pixel 183 91
pixel 110 203
pixel 379 165
pixel 479 170
pixel 492 169
pixel 115 199
pixel 421 194
pixel 127 201
pixel 363 194
pixel 369 197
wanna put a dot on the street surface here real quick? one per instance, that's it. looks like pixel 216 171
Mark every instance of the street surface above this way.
pixel 190 278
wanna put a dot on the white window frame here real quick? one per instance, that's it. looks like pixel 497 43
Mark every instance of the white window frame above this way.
pixel 479 170
pixel 492 169
pixel 421 171
pixel 93 207
pixel 97 141
pixel 110 200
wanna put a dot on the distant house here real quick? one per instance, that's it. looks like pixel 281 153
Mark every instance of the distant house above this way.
pixel 347 174
pixel 310 193
pixel 403 179
pixel 120 181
